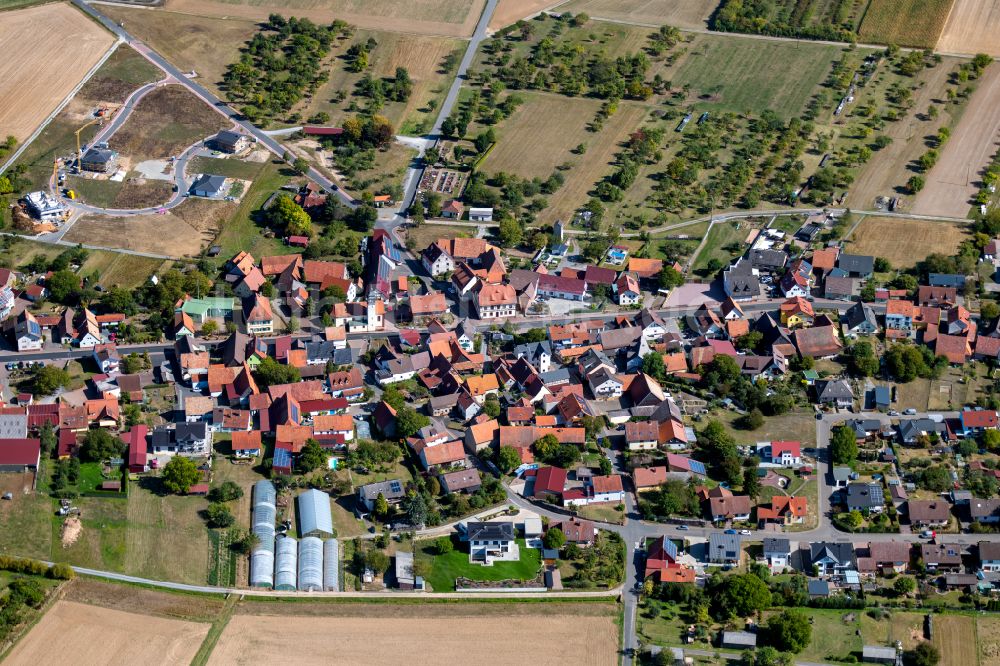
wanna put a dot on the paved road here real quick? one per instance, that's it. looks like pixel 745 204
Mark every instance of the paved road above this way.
pixel 209 98
pixel 413 173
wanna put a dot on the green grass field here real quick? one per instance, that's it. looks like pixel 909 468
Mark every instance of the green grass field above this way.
pixel 230 168
pixel 740 74
pixel 722 235
pixel 446 568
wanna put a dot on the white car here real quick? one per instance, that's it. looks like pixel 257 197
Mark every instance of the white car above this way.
pixel 746 532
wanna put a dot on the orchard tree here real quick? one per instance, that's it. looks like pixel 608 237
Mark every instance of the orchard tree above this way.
pixel 843 446
pixel 789 631
pixel 180 474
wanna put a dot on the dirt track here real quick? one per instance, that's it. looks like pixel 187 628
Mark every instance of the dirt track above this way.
pixel 972 27
pixel 953 181
pixel 38 70
pixel 551 639
pixel 76 633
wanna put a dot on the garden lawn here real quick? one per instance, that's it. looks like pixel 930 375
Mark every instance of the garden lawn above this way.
pixel 833 638
pixel 446 568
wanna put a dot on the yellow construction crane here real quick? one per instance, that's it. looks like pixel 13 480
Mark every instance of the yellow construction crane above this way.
pixel 79 152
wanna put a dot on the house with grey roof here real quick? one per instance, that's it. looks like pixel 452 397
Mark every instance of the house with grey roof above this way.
pixel 832 558
pixel 724 548
pixel 777 553
pixel 836 392
pixel 860 320
pixel 856 265
pixel 864 497
pixel 208 185
pixel 741 281
pixel 491 542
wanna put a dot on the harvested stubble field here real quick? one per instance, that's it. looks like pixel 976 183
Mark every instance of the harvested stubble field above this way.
pixel 192 224
pixel 570 634
pixel 512 11
pixel 205 45
pixel 905 242
pixel 452 18
pixel 954 181
pixel 540 136
pixel 164 123
pixel 37 71
pixel 94 635
pixel 678 13
pixel 988 628
pixel 972 27
pixel 916 23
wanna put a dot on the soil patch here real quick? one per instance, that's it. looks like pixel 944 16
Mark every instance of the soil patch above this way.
pixel 555 638
pixel 954 181
pixel 164 123
pixel 972 27
pixel 103 636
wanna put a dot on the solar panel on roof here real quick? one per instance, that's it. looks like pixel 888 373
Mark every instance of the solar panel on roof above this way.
pixel 395 487
pixel 670 548
pixel 697 467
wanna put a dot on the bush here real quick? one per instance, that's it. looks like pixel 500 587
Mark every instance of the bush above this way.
pixel 443 545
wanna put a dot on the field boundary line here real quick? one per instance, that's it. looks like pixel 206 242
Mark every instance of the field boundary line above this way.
pixel 61 106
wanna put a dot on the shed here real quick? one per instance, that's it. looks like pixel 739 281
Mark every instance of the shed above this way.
pixel 285 563
pixel 876 654
pixel 739 640
pixel 481 214
pixel 315 518
pixel 404 570
pixel 310 564
pixel 331 565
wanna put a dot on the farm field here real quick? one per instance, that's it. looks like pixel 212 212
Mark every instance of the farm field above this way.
pixel 905 242
pixel 102 635
pixel 953 182
pixel 954 635
pixel 888 169
pixel 576 634
pixel 916 23
pixel 540 136
pixel 423 57
pixel 38 71
pixel 740 74
pixel 512 11
pixel 195 223
pixel 203 44
pixel 988 636
pixel 165 538
pixel 121 74
pixel 972 28
pixel 453 18
pixel 678 13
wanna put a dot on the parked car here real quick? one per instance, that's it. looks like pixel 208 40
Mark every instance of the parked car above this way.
pixel 746 532
pixel 910 412
pixel 682 527
pixel 730 532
